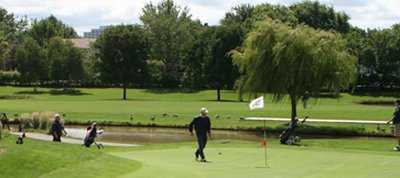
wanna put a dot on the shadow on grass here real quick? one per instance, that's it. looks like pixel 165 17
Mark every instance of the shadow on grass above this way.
pixel 226 101
pixel 377 103
pixel 65 91
pixel 165 91
pixel 328 95
pixel 129 99
pixel 377 94
pixel 14 97
pixel 31 92
pixel 68 91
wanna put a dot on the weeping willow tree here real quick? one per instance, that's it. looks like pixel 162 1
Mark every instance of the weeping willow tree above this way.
pixel 293 61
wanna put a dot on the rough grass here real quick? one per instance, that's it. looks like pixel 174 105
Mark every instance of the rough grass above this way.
pixel 175 108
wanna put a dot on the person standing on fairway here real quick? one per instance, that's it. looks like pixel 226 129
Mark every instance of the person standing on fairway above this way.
pixel 57 129
pixel 396 123
pixel 202 126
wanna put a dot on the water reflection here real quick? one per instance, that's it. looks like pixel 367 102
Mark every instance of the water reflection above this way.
pixel 157 135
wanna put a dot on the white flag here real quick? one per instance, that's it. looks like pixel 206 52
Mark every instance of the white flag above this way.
pixel 257 103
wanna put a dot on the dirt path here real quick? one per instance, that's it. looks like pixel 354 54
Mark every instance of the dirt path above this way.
pixel 44 137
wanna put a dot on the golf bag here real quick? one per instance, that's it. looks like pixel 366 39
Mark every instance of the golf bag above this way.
pixel 287 137
pixel 20 139
pixel 90 138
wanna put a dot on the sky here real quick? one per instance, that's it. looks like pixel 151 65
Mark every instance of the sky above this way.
pixel 84 15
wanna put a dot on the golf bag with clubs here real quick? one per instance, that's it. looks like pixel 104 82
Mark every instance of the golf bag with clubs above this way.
pixel 288 136
pixel 90 138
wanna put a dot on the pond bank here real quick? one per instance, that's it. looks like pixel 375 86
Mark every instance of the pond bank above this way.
pixel 45 137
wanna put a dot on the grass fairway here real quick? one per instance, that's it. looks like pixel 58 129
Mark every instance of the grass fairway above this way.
pixel 318 158
pixel 106 105
pixel 243 159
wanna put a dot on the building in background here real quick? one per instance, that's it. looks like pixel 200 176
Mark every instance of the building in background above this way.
pixel 94 33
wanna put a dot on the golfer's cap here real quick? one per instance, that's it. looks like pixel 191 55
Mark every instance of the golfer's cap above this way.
pixel 204 110
pixel 56 115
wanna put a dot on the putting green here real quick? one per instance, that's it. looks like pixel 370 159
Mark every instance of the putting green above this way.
pixel 247 162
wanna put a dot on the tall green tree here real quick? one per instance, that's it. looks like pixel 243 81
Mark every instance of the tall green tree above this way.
pixel 317 15
pixel 170 31
pixel 379 61
pixel 31 62
pixel 65 61
pixel 274 12
pixel 122 52
pixel 10 26
pixel 5 50
pixel 45 29
pixel 229 35
pixel 298 62
pixel 221 71
pixel 195 74
pixel 11 30
pixel 240 17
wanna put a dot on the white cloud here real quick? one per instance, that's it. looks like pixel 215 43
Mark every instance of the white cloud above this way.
pixel 86 14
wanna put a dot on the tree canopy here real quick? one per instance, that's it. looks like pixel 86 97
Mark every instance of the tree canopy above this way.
pixel 317 15
pixel 171 33
pixel 279 59
pixel 45 29
pixel 11 29
pixel 31 60
pixel 65 61
pixel 122 52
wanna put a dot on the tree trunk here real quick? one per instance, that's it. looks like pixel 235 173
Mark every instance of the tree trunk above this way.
pixel 35 88
pixel 124 93
pixel 293 102
pixel 218 94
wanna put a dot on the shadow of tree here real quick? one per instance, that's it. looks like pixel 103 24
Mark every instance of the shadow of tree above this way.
pixel 227 101
pixel 14 97
pixel 377 103
pixel 64 91
pixel 162 91
pixel 67 91
pixel 328 95
pixel 31 92
pixel 377 94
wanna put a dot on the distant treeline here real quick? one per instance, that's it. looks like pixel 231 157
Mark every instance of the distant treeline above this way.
pixel 173 50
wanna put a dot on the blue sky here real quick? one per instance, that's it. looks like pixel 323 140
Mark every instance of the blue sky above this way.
pixel 86 14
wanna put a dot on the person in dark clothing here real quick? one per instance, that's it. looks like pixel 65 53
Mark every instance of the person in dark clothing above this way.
pixel 202 126
pixel 396 122
pixel 57 129
pixel 5 123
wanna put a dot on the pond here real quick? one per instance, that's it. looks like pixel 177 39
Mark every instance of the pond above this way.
pixel 145 135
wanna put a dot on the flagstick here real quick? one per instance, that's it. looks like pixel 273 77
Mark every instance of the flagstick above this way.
pixel 265 145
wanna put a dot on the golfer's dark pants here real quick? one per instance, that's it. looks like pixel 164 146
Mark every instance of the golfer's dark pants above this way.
pixel 202 142
pixel 56 138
